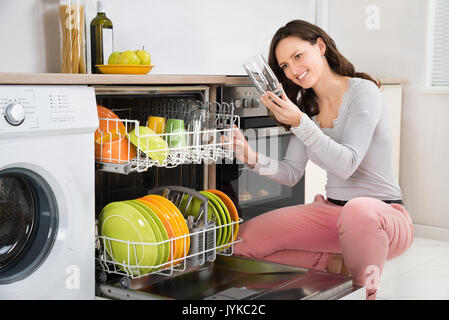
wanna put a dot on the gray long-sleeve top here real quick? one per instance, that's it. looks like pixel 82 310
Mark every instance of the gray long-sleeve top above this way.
pixel 356 152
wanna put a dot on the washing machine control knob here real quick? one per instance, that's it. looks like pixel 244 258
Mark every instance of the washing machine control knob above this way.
pixel 14 114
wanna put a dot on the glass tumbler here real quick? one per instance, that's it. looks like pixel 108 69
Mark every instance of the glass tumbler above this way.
pixel 262 76
pixel 73 36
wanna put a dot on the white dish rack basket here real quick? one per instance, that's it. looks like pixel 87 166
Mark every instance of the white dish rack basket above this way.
pixel 204 126
pixel 202 237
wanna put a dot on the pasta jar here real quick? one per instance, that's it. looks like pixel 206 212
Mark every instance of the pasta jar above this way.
pixel 73 36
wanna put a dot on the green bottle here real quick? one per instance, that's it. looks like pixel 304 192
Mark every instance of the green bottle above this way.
pixel 101 38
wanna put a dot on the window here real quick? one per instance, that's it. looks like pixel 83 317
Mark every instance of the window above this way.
pixel 438 44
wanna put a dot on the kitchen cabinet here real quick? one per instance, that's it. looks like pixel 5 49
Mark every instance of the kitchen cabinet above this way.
pixel 316 177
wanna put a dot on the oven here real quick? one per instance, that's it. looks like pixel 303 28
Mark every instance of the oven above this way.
pixel 252 193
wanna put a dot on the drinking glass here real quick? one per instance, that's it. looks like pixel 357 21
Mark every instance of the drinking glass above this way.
pixel 175 126
pixel 262 75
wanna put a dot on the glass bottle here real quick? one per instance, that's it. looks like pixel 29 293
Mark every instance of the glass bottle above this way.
pixel 73 36
pixel 101 38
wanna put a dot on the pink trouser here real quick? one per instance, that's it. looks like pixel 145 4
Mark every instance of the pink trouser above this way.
pixel 366 231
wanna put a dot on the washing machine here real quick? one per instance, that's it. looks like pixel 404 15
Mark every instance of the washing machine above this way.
pixel 47 185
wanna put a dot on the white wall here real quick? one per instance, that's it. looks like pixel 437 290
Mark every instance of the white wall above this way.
pixel 183 36
pixel 215 36
pixel 398 50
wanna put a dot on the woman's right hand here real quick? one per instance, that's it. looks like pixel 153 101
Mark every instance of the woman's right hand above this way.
pixel 241 147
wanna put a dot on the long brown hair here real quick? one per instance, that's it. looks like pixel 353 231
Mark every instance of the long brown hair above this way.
pixel 305 99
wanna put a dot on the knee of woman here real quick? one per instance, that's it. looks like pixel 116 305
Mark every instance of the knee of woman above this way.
pixel 358 213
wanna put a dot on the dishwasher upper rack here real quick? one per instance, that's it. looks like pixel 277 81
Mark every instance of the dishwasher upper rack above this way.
pixel 202 237
pixel 199 142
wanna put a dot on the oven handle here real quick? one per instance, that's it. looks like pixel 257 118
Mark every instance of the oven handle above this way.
pixel 271 131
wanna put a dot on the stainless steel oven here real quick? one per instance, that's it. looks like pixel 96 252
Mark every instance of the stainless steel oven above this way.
pixel 252 193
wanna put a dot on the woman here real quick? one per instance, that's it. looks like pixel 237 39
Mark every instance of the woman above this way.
pixel 339 122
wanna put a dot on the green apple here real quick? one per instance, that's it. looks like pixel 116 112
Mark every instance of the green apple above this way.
pixel 144 56
pixel 128 57
pixel 113 58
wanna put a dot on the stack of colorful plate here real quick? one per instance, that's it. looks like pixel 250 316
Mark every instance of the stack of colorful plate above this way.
pixel 220 209
pixel 144 235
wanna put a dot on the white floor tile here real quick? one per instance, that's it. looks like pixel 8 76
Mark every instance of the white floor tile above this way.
pixel 421 252
pixel 422 273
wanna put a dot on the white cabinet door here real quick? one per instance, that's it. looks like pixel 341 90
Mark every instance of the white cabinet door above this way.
pixel 316 177
pixel 393 98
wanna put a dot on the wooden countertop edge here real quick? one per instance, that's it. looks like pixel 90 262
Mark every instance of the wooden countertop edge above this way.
pixel 64 78
pixel 105 79
pixel 385 81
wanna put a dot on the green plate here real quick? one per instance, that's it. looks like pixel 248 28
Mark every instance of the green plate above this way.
pixel 166 245
pixel 121 221
pixel 227 216
pixel 223 219
pixel 158 228
pixel 194 209
pixel 145 142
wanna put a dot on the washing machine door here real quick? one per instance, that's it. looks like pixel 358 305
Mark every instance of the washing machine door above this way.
pixel 28 223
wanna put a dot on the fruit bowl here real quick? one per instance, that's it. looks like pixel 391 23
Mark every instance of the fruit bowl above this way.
pixel 124 68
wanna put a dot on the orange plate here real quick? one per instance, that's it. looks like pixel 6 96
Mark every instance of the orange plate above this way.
pixel 124 68
pixel 231 208
pixel 169 222
pixel 175 211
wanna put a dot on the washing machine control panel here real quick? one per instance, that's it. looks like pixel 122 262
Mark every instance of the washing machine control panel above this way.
pixel 26 108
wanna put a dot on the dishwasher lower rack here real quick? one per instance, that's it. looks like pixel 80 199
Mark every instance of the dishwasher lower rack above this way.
pixel 201 240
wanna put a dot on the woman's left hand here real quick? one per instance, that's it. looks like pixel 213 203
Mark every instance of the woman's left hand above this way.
pixel 283 109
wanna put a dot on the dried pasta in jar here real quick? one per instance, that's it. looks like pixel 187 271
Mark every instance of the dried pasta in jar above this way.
pixel 73 36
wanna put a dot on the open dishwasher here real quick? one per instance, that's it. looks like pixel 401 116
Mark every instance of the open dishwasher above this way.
pixel 206 268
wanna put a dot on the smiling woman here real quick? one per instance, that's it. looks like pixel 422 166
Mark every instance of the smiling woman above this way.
pixel 308 43
pixel 341 123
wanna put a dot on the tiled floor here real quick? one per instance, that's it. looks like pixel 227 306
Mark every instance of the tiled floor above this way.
pixel 421 273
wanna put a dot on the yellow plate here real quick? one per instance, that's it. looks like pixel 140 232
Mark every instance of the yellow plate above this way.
pixel 175 211
pixel 124 68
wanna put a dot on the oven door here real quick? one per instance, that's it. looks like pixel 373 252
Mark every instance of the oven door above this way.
pixel 252 193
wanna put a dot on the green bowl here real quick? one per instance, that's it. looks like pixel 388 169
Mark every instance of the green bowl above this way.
pixel 146 140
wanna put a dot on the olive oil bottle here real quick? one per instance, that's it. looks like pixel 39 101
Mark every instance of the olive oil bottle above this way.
pixel 101 38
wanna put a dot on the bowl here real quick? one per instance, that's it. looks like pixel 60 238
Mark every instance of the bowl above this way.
pixel 109 122
pixel 114 148
pixel 124 68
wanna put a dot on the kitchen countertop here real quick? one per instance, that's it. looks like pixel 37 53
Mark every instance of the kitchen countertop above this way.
pixel 106 79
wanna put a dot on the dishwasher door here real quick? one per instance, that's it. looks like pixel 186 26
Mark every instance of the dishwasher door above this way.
pixel 235 278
